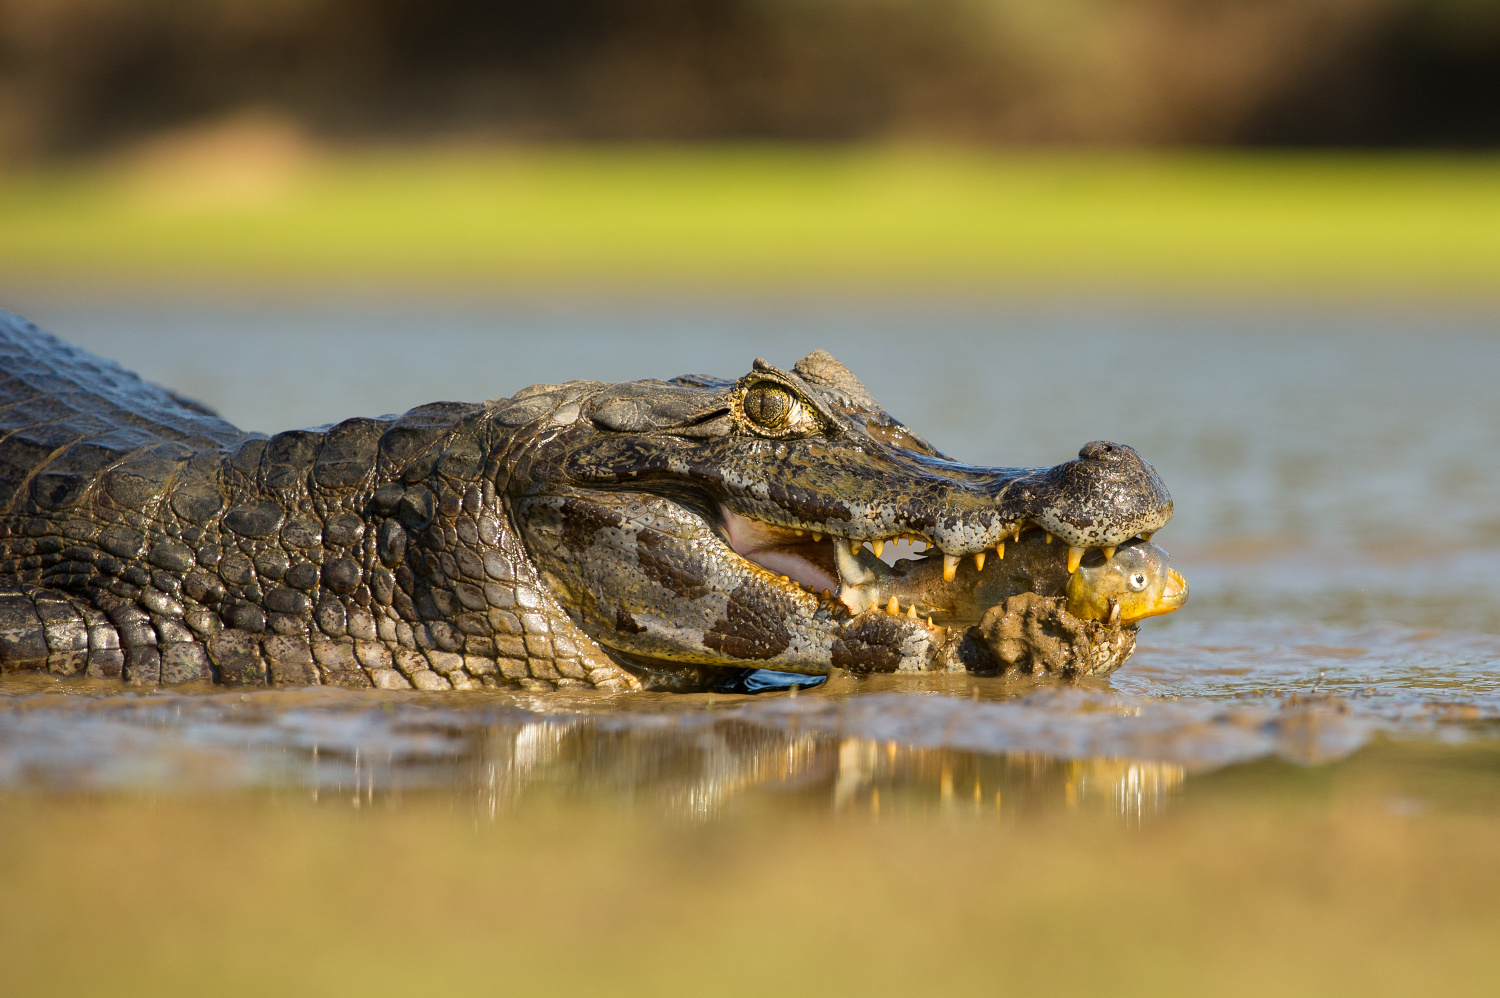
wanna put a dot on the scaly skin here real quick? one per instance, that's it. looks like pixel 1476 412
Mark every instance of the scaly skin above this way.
pixel 567 536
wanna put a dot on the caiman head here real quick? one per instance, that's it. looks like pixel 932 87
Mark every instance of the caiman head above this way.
pixel 698 523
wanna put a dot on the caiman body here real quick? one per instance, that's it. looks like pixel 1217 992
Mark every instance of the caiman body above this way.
pixel 650 534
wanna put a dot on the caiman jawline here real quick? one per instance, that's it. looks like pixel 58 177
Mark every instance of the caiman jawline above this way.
pixel 831 564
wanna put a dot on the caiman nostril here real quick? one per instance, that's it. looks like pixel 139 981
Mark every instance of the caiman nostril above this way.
pixel 1104 450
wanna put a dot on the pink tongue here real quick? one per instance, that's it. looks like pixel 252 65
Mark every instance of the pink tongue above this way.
pixel 784 561
pixel 767 546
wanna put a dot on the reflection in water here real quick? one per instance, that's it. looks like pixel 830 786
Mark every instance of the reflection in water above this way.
pixel 686 764
pixel 1197 698
pixel 884 778
pixel 700 772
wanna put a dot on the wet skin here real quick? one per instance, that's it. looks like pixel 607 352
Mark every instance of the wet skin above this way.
pixel 655 533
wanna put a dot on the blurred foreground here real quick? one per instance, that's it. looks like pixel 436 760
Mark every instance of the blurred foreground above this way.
pixel 1374 876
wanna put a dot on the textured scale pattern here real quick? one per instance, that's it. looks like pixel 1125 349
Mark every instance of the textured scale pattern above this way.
pixel 147 539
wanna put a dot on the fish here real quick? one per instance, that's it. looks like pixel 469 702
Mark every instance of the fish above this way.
pixel 1133 583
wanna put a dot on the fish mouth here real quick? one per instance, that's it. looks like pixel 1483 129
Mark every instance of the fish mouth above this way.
pixel 1173 596
pixel 930 587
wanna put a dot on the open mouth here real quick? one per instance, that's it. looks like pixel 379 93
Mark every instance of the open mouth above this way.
pixel 931 586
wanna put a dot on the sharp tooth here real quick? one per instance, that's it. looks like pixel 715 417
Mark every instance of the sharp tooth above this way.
pixel 1049 538
pixel 979 561
pixel 817 537
pixel 877 547
pixel 850 570
pixel 1075 555
pixel 1108 553
pixel 1147 537
pixel 827 593
pixel 950 567
pixel 855 546
pixel 911 611
pixel 1000 550
pixel 893 606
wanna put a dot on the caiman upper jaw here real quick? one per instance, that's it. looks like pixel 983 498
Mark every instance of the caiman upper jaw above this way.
pixel 1105 497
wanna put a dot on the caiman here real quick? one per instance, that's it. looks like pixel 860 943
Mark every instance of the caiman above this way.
pixel 654 534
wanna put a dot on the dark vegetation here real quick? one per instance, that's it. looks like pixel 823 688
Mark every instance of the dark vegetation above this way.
pixel 78 76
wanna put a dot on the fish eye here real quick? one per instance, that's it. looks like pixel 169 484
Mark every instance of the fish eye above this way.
pixel 1136 582
pixel 770 406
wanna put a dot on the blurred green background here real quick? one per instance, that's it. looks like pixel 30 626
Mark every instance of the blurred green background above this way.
pixel 1013 144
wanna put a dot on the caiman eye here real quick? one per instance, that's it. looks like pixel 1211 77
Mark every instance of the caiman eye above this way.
pixel 1136 582
pixel 770 406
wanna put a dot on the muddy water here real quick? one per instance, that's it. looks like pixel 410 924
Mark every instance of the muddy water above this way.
pixel 1294 785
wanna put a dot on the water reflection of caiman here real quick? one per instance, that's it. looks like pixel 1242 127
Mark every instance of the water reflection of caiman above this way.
pixel 655 533
pixel 698 771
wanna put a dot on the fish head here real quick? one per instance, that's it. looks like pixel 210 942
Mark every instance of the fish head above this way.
pixel 1135 581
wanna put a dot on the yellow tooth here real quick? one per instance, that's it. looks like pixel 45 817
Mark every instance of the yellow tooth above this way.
pixel 826 592
pixel 877 547
pixel 1049 538
pixel 911 611
pixel 854 547
pixel 1108 553
pixel 1147 537
pixel 893 606
pixel 1000 550
pixel 950 567
pixel 797 532
pixel 979 561
pixel 817 538
pixel 1075 555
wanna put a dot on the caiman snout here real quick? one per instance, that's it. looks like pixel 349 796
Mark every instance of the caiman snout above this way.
pixel 1102 499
